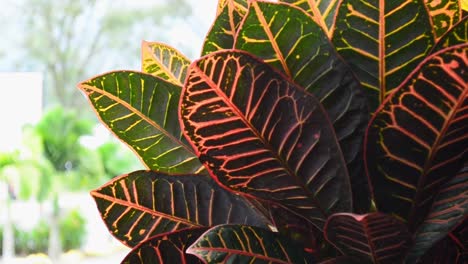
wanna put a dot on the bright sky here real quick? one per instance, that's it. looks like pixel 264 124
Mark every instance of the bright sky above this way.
pixel 15 112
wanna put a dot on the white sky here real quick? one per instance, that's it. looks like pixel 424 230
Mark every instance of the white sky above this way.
pixel 21 93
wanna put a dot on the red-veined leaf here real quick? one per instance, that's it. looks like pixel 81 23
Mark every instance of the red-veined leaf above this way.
pixel 289 40
pixel 263 136
pixel 223 31
pixel 458 34
pixel 166 248
pixel 374 238
pixel 247 244
pixel 452 249
pixel 323 11
pixel 444 14
pixel 163 61
pixel 143 204
pixel 142 111
pixel 238 5
pixel 383 41
pixel 418 138
pixel 450 207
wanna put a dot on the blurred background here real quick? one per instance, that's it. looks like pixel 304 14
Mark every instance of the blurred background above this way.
pixel 53 150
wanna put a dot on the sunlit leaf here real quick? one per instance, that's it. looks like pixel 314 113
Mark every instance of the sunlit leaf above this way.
pixel 239 5
pixel 163 61
pixel 458 34
pixel 417 139
pixel 143 204
pixel 142 111
pixel 289 40
pixel 223 32
pixel 247 244
pixel 263 136
pixel 323 11
pixel 444 14
pixel 166 248
pixel 374 238
pixel 450 207
pixel 383 41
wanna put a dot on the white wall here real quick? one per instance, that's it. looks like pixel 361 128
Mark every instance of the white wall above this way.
pixel 20 104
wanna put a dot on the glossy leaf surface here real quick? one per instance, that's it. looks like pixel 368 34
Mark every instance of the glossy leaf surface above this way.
pixel 417 139
pixel 374 238
pixel 452 249
pixel 166 248
pixel 458 34
pixel 323 11
pixel 246 244
pixel 223 32
pixel 142 111
pixel 450 207
pixel 163 61
pixel 444 14
pixel 143 204
pixel 383 41
pixel 289 40
pixel 262 136
pixel 239 5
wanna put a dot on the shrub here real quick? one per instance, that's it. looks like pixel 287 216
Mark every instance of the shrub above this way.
pixel 309 131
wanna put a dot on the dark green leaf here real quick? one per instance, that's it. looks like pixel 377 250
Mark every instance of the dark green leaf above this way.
pixel 458 34
pixel 143 204
pixel 247 244
pixel 166 248
pixel 142 111
pixel 444 14
pixel 323 11
pixel 383 41
pixel 289 40
pixel 417 140
pixel 223 31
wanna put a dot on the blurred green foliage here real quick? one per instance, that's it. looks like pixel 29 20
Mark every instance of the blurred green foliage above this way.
pixel 72 227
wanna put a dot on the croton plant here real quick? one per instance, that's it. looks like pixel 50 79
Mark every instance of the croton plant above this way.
pixel 308 132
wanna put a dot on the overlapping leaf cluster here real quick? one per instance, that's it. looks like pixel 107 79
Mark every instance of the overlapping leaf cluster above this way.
pixel 309 132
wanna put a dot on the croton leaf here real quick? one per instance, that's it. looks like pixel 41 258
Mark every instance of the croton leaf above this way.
pixel 458 34
pixel 141 110
pixel 323 11
pixel 374 238
pixel 223 31
pixel 166 248
pixel 417 139
pixel 163 61
pixel 263 136
pixel 444 14
pixel 270 31
pixel 383 41
pixel 143 204
pixel 247 244
pixel 452 249
pixel 239 5
pixel 450 207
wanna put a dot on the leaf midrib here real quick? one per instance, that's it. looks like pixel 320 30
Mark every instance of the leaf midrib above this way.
pixel 135 206
pixel 273 42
